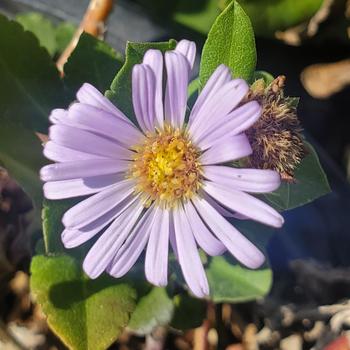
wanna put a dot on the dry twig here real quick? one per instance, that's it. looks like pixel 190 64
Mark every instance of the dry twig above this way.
pixel 92 23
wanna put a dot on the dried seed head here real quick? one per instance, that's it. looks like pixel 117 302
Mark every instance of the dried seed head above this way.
pixel 276 137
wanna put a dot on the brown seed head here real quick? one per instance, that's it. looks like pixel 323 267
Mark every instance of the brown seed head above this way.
pixel 276 137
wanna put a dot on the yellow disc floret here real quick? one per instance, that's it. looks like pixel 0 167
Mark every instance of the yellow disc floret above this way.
pixel 166 167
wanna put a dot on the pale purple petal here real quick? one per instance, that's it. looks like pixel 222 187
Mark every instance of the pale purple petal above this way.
pixel 239 246
pixel 105 248
pixel 104 123
pixel 221 210
pixel 205 239
pixel 59 153
pixel 234 123
pixel 215 109
pixel 188 255
pixel 154 59
pixel 156 262
pixel 247 180
pixel 172 237
pixel 90 95
pixel 72 238
pixel 82 168
pixel 95 206
pixel 87 142
pixel 188 49
pixel 177 68
pixel 80 187
pixel 143 96
pixel 58 115
pixel 218 79
pixel 244 204
pixel 130 251
pixel 229 149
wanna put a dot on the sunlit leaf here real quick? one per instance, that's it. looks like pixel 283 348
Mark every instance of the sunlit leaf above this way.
pixel 230 42
pixel 42 27
pixel 154 309
pixel 233 283
pixel 86 314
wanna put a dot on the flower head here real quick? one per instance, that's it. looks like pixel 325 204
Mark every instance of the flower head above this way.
pixel 166 180
pixel 276 137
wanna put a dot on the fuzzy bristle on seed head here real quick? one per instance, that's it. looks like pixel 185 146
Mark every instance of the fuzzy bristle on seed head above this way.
pixel 276 137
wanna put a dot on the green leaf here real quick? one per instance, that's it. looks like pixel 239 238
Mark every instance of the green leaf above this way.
pixel 29 88
pixel 230 42
pixel 120 91
pixel 54 38
pixel 189 312
pixel 85 314
pixel 93 61
pixel 43 29
pixel 192 92
pixel 193 87
pixel 153 310
pixel 196 15
pixel 30 85
pixel 233 283
pixel 64 34
pixel 269 16
pixel 260 74
pixel 21 155
pixel 311 183
pixel 52 223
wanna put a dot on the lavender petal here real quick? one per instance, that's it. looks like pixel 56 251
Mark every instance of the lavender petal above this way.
pixel 90 95
pixel 177 68
pixel 188 49
pixel 205 239
pixel 244 204
pixel 247 180
pixel 156 262
pixel 143 96
pixel 128 254
pixel 229 149
pixel 95 206
pixel 59 153
pixel 82 168
pixel 239 246
pixel 217 80
pixel 98 121
pixel 234 123
pixel 79 187
pixel 217 107
pixel 72 238
pixel 108 244
pixel 154 59
pixel 189 259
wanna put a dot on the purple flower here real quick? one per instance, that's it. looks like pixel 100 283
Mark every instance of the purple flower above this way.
pixel 166 181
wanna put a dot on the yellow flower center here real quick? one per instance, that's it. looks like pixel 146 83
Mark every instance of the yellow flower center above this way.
pixel 166 167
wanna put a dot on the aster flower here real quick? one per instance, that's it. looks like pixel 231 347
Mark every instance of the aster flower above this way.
pixel 166 181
